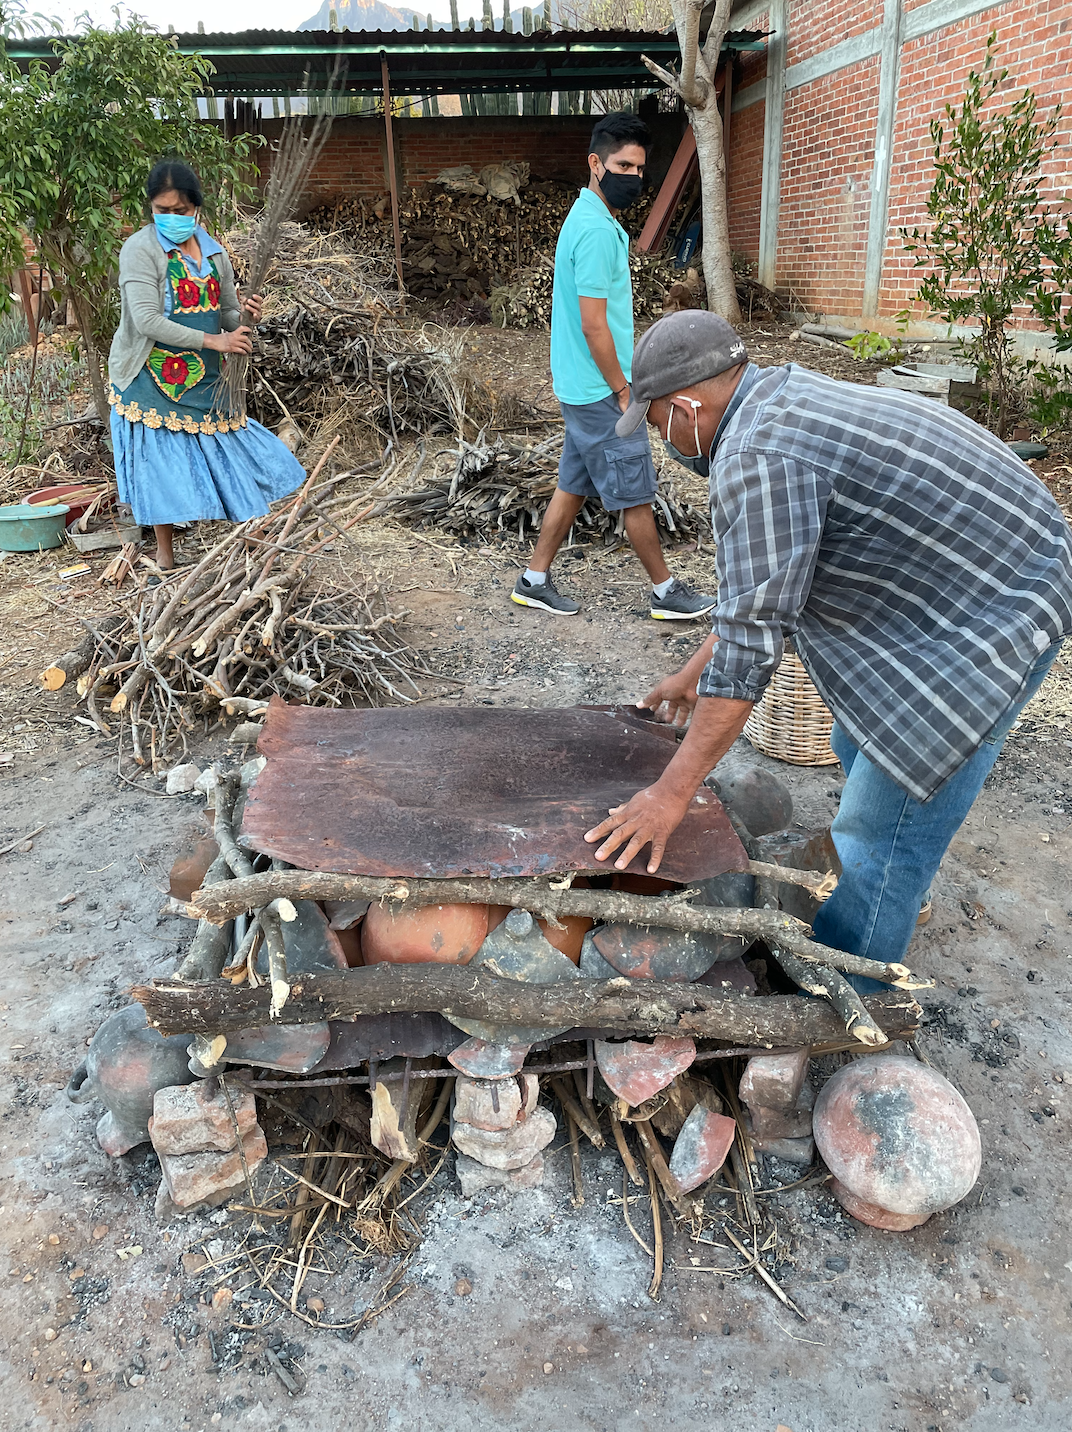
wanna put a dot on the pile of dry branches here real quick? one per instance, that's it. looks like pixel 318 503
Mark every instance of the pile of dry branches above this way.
pixel 496 490
pixel 250 620
pixel 334 351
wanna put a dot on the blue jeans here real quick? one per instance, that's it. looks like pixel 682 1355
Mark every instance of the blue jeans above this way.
pixel 890 845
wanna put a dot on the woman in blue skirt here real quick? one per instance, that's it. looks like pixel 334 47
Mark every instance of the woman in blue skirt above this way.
pixel 179 456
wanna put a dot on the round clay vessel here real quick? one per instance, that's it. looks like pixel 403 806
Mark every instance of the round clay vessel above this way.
pixel 871 1213
pixel 443 934
pixel 570 939
pixel 897 1136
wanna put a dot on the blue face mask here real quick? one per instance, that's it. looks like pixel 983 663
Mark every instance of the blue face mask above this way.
pixel 175 228
pixel 699 461
pixel 701 466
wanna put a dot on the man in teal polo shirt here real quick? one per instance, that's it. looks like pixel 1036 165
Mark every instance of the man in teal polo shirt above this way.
pixel 591 356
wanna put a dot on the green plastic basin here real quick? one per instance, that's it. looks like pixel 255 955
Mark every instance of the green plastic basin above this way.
pixel 31 528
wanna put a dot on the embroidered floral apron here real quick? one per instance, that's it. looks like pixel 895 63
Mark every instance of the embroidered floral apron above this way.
pixel 178 388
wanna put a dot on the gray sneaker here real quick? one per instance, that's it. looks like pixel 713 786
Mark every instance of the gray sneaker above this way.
pixel 544 595
pixel 681 604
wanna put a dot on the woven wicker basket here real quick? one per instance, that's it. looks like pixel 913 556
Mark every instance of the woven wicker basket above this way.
pixel 791 723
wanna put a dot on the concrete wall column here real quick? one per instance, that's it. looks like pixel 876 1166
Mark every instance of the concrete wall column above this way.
pixel 772 141
pixel 889 75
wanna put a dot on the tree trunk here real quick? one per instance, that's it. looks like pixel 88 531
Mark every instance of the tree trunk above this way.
pixel 84 318
pixel 619 1006
pixel 696 88
pixel 717 254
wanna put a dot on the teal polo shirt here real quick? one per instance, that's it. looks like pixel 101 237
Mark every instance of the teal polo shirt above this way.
pixel 591 261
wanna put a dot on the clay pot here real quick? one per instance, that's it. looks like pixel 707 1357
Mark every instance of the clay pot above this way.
pixel 871 1213
pixel 898 1138
pixel 443 934
pixel 570 939
pixel 127 1062
pixel 350 940
pixel 643 884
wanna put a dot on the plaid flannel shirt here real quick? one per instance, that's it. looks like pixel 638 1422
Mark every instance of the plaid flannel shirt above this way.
pixel 918 566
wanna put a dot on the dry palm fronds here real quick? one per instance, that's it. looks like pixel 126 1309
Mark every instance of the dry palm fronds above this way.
pixel 501 489
pixel 291 164
pixel 250 620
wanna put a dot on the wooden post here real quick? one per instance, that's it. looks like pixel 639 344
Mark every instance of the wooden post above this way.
pixel 392 176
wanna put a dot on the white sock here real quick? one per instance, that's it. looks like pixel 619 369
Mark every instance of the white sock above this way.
pixel 534 579
pixel 661 588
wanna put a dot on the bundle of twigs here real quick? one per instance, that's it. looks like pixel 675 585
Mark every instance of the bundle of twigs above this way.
pixel 500 489
pixel 292 162
pixel 250 620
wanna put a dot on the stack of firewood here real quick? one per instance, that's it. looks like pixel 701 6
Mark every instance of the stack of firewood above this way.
pixel 461 246
pixel 252 619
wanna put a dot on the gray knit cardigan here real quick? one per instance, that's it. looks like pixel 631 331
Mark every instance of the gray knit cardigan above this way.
pixel 142 277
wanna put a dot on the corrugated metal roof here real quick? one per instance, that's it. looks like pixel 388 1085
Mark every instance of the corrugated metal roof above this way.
pixel 275 62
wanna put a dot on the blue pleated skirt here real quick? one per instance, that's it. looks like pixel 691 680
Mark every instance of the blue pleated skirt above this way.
pixel 188 477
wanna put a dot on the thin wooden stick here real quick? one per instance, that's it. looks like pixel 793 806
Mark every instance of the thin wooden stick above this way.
pixel 575 1161
pixel 656 1229
pixel 654 1154
pixel 20 840
pixel 628 1221
pixel 623 1150
pixel 574 1111
pixel 757 1267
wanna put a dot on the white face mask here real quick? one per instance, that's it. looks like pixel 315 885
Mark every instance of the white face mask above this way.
pixel 695 404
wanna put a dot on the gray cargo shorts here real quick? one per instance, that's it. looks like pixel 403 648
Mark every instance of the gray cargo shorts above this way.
pixel 596 462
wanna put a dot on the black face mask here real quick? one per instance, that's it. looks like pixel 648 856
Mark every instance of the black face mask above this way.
pixel 620 190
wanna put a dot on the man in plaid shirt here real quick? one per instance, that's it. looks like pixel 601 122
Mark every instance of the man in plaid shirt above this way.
pixel 922 571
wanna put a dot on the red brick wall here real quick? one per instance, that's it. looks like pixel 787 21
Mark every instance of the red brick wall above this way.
pixel 828 139
pixel 354 160
pixel 826 187
pixel 1034 44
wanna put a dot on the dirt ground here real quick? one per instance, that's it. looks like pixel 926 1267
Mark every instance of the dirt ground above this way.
pixel 104 1322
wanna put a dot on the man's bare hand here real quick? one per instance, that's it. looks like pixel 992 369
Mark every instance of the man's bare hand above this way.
pixel 673 699
pixel 651 816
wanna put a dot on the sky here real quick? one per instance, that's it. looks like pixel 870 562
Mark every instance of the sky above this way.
pixel 223 15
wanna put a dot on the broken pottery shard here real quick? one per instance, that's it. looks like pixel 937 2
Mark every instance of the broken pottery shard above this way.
pixel 593 965
pixel 395 1103
pixel 394 933
pixel 189 870
pixel 896 1134
pixel 481 1060
pixel 774 1081
pixel 517 951
pixel 210 1178
pixel 680 1098
pixel 660 954
pixel 475 1177
pixel 635 1071
pixel 345 914
pixel 126 1063
pixel 293 1048
pixel 309 942
pixel 730 975
pixel 701 1147
pixel 495 1103
pixel 187 1119
pixel 509 1148
pixel 758 798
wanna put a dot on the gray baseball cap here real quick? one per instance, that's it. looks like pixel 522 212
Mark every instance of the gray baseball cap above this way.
pixel 678 351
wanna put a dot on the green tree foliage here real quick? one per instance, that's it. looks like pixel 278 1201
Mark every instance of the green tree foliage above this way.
pixel 994 241
pixel 76 146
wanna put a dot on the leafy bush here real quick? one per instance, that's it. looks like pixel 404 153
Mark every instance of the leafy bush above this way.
pixel 994 244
